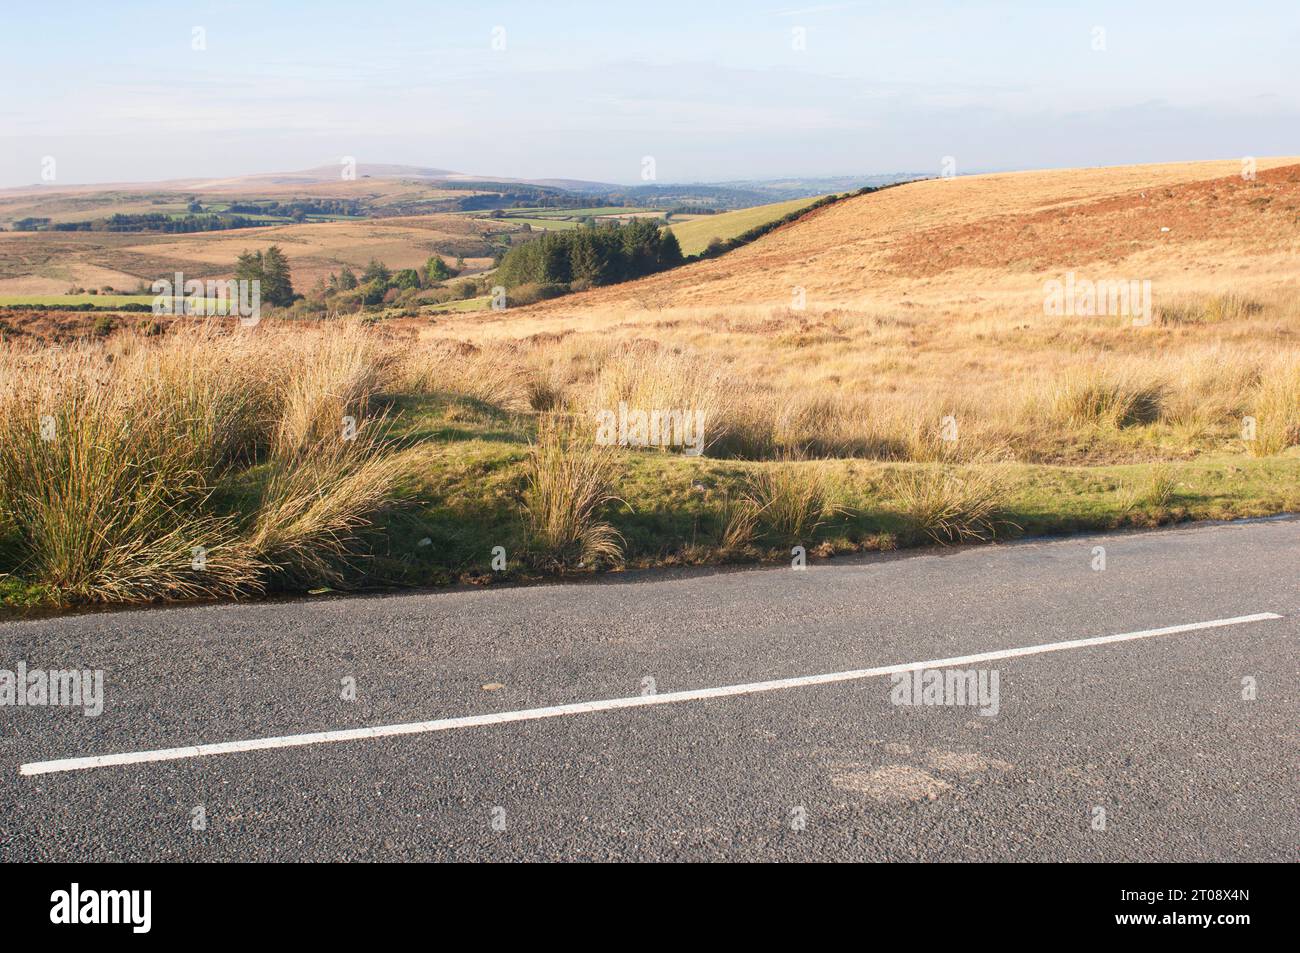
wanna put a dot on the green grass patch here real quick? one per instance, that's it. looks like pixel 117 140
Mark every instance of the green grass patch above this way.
pixel 676 509
pixel 97 302
pixel 462 305
pixel 694 236
pixel 468 468
pixel 558 224
pixel 104 300
pixel 18 596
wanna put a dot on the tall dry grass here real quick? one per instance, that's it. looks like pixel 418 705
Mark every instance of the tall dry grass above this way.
pixel 854 381
pixel 112 456
pixel 1097 395
pixel 953 505
pixel 1276 407
pixel 569 482
pixel 108 459
pixel 322 379
pixel 492 374
pixel 154 436
pixel 1208 387
pixel 790 499
pixel 878 387
pixel 1208 309
pixel 313 510
pixel 648 377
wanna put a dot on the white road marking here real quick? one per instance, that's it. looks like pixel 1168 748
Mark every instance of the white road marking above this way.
pixel 609 704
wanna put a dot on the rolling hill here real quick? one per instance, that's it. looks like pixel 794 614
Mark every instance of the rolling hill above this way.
pixel 978 245
pixel 862 324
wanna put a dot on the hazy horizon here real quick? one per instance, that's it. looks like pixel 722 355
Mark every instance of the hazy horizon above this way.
pixel 144 92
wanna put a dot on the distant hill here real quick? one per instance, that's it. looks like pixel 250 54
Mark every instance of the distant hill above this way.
pixel 382 178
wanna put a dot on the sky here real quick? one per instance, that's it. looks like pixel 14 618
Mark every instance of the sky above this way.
pixel 712 90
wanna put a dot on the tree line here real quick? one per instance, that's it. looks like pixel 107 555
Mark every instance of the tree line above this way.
pixel 586 256
pixel 378 283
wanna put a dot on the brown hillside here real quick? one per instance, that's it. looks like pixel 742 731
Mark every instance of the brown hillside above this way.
pixel 992 240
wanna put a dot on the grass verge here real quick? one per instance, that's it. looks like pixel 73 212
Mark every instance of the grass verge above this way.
pixel 221 463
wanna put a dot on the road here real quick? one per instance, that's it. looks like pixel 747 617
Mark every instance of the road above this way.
pixel 1131 750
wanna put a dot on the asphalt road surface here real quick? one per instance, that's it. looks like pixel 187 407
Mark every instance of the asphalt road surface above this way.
pixel 1145 748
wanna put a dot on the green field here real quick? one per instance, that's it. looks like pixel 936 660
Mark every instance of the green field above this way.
pixel 100 301
pixel 557 224
pixel 547 212
pixel 694 236
pixel 560 218
pixel 465 304
pixel 104 301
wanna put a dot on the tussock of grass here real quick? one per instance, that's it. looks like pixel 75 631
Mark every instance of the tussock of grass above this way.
pixel 313 509
pixel 1154 491
pixel 569 481
pixel 952 505
pixel 1213 386
pixel 108 484
pixel 739 520
pixel 647 377
pixel 112 460
pixel 325 379
pixel 1276 408
pixel 491 375
pixel 1211 309
pixel 789 499
pixel 1162 484
pixel 1094 396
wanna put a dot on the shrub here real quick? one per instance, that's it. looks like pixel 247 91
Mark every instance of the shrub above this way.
pixel 534 292
pixel 406 278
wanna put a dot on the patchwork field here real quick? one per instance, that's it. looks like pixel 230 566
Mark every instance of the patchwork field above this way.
pixel 317 249
pixel 49 263
pixel 77 203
